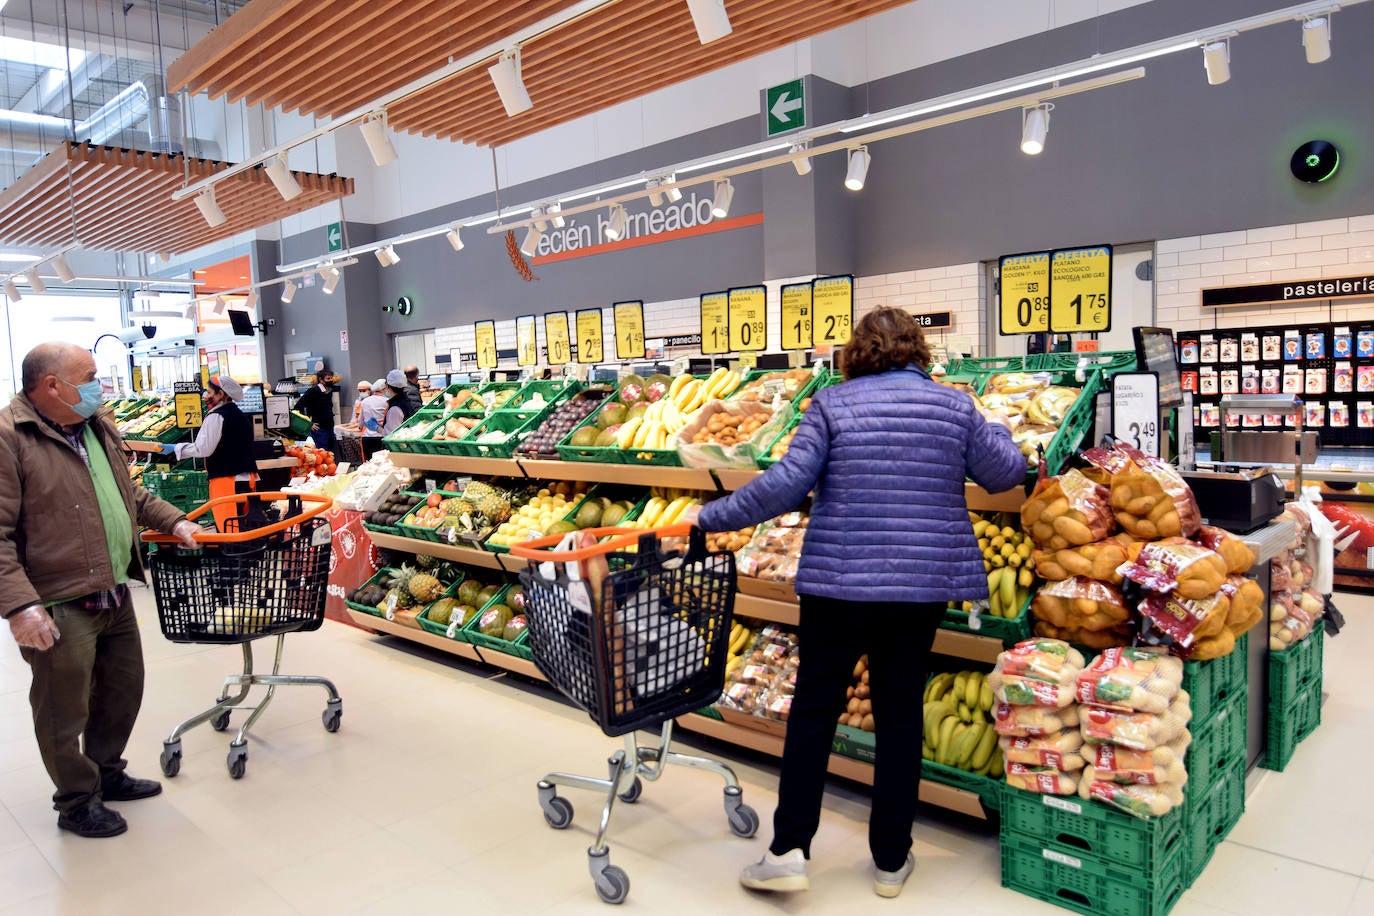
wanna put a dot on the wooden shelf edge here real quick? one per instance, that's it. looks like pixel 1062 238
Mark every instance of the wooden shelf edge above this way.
pixel 467 555
pixel 497 467
pixel 734 478
pixel 635 474
pixel 783 612
pixel 967 646
pixel 392 628
pixel 510 663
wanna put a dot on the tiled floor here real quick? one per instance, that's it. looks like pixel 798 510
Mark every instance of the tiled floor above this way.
pixel 424 802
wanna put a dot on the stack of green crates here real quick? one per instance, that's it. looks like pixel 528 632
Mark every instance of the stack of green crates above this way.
pixel 1087 856
pixel 1214 798
pixel 184 489
pixel 1295 697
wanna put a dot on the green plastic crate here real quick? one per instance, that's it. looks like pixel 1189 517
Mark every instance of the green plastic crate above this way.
pixel 1010 632
pixel 566 517
pixel 1093 829
pixel 516 647
pixel 419 419
pixel 433 628
pixel 588 453
pixel 515 423
pixel 1211 684
pixel 1077 421
pixel 1209 818
pixel 1218 745
pixel 553 391
pixel 858 744
pixel 426 445
pixel 377 578
pixel 1088 885
pixel 184 489
pixel 1111 362
pixel 1287 727
pixel 1294 669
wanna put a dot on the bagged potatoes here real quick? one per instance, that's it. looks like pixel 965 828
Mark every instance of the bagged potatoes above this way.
pixel 1032 721
pixel 1239 558
pixel 1142 731
pixel 1187 621
pixel 1143 801
pixel 1060 751
pixel 1081 603
pixel 1131 679
pixel 1098 560
pixel 1247 604
pixel 1177 565
pixel 1067 511
pixel 1093 639
pixel 1045 780
pixel 1147 768
pixel 1148 497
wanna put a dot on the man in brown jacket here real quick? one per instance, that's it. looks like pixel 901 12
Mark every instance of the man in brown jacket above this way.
pixel 68 514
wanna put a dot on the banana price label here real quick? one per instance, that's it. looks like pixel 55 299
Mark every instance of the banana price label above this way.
pixel 1081 289
pixel 556 340
pixel 747 307
pixel 715 333
pixel 796 316
pixel 485 332
pixel 589 348
pixel 629 330
pixel 526 343
pixel 832 304
pixel 1024 284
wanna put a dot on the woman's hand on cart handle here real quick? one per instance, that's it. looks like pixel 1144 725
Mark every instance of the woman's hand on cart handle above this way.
pixel 187 531
pixel 33 628
pixel 689 516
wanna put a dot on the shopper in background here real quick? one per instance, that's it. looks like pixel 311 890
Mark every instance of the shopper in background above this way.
pixel 317 403
pixel 225 441
pixel 888 544
pixel 68 520
pixel 364 392
pixel 412 389
pixel 373 422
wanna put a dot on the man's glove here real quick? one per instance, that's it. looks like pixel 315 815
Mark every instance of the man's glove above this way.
pixel 33 628
pixel 187 531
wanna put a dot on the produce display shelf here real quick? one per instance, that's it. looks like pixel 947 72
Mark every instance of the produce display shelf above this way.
pixel 458 464
pixel 469 555
pixel 391 628
pixel 640 475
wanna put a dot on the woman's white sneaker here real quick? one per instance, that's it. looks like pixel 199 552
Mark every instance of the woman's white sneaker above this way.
pixel 786 872
pixel 889 883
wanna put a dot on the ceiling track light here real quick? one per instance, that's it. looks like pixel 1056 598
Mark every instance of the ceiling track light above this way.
pixel 540 217
pixel 250 301
pixel 330 275
pixel 220 304
pixel 556 215
pixel 373 129
pixel 1216 60
pixel 1316 39
pixel 12 291
pixel 455 238
pixel 63 269
pixel 280 173
pixel 505 76
pixel 387 256
pixel 531 243
pixel 858 168
pixel 802 164
pixel 209 208
pixel 35 282
pixel 720 202
pixel 288 291
pixel 1035 126
pixel 671 191
pixel 615 223
pixel 655 195
pixel 710 18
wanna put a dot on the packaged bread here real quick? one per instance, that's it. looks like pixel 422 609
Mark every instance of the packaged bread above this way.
pixel 1142 731
pixel 1081 603
pixel 1059 751
pixel 1147 768
pixel 1140 800
pixel 1239 558
pixel 1045 780
pixel 1093 639
pixel 1247 604
pixel 1032 721
pixel 1049 660
pixel 1098 560
pixel 1067 511
pixel 1127 678
pixel 1177 565
pixel 1148 496
pixel 1186 621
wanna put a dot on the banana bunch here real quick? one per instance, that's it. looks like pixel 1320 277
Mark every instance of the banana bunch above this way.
pixel 660 512
pixel 957 720
pixel 690 394
pixel 1007 559
pixel 741 638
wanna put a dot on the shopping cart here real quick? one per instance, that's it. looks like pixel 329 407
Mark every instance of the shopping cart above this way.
pixel 258 579
pixel 651 648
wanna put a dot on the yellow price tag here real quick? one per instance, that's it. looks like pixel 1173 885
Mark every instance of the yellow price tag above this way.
pixel 526 344
pixel 204 376
pixel 796 316
pixel 136 378
pixel 189 411
pixel 589 349
pixel 748 308
pixel 715 334
pixel 1024 288
pixel 1081 289
pixel 832 304
pixel 485 332
pixel 556 338
pixel 629 330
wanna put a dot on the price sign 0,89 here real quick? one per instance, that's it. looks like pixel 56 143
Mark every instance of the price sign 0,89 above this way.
pixel 485 333
pixel 748 310
pixel 1081 289
pixel 589 348
pixel 1025 293
pixel 715 333
pixel 832 306
pixel 628 318
pixel 526 346
pixel 796 316
pixel 556 338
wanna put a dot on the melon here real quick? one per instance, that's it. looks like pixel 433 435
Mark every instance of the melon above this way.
pixel 613 414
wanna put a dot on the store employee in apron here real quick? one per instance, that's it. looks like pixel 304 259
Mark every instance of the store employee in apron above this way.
pixel 225 441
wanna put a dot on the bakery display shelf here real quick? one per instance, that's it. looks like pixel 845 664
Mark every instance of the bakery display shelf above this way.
pixel 468 555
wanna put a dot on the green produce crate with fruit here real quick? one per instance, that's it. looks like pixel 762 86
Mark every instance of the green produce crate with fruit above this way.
pixel 437 616
pixel 490 627
pixel 1210 817
pixel 1218 745
pixel 857 744
pixel 497 435
pixel 542 442
pixel 407 436
pixel 1211 684
pixel 551 391
pixel 1086 884
pixel 1076 422
pixel 184 489
pixel 1293 670
pixel 427 443
pixel 495 395
pixel 378 580
pixel 1109 362
pixel 1009 631
pixel 1092 829
pixel 1288 726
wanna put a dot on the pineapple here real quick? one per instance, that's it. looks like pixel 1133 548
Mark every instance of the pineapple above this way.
pixel 458 506
pixel 495 507
pixel 425 588
pixel 476 490
pixel 403 600
pixel 426 563
pixel 399 580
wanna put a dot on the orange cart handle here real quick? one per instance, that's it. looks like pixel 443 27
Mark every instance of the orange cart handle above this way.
pixel 321 504
pixel 627 537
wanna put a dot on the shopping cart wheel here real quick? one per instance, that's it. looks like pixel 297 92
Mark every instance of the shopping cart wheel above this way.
pixel 744 820
pixel 613 885
pixel 558 812
pixel 220 722
pixel 237 760
pixel 631 795
pixel 170 758
pixel 333 712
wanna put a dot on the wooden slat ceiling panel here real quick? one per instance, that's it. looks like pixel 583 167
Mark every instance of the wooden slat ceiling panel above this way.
pixel 330 57
pixel 107 199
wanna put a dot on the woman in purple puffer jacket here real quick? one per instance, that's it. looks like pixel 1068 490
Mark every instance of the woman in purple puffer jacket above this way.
pixel 889 543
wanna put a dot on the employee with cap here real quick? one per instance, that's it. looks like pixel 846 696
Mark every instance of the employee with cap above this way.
pixel 364 392
pixel 396 381
pixel 225 441
pixel 372 420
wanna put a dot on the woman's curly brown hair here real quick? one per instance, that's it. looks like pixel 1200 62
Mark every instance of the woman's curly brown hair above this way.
pixel 885 338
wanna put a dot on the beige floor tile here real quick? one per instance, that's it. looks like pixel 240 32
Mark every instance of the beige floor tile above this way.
pixel 12 836
pixel 1255 882
pixel 1363 901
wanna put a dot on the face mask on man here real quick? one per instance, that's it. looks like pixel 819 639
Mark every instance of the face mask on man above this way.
pixel 89 403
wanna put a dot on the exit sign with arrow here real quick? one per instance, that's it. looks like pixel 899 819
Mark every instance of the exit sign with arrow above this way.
pixel 334 233
pixel 785 107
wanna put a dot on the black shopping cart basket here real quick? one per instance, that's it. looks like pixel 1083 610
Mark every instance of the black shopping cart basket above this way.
pixel 261 578
pixel 636 639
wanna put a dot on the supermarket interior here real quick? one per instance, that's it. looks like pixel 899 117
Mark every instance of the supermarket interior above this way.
pixel 506 310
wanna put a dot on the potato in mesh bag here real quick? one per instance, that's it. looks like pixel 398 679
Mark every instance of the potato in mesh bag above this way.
pixel 1125 765
pixel 1148 496
pixel 1127 678
pixel 1098 560
pixel 1187 621
pixel 1067 511
pixel 1177 565
pixel 1093 639
pixel 1057 751
pixel 1247 604
pixel 1239 558
pixel 1049 660
pixel 1139 730
pixel 1032 721
pixel 1045 780
pixel 1081 603
pixel 1143 801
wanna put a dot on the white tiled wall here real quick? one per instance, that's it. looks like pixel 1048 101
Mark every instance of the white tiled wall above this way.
pixel 1273 254
pixel 957 289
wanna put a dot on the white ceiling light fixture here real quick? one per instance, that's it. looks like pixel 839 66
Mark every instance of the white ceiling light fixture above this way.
pixel 12 291
pixel 280 173
pixel 1316 39
pixel 1035 126
pixel 220 305
pixel 250 301
pixel 615 224
pixel 378 141
pixel 387 256
pixel 720 202
pixel 803 163
pixel 455 238
pixel 505 76
pixel 19 257
pixel 531 243
pixel 858 168
pixel 63 269
pixel 288 291
pixel 35 282
pixel 1216 60
pixel 330 275
pixel 556 214
pixel 672 192
pixel 655 195
pixel 710 18
pixel 540 217
pixel 209 208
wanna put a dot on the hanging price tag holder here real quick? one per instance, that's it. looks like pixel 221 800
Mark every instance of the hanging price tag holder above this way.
pixel 485 333
pixel 526 343
pixel 796 316
pixel 747 309
pixel 1024 290
pixel 589 348
pixel 188 405
pixel 1135 410
pixel 556 341
pixel 832 303
pixel 715 333
pixel 1081 289
pixel 628 318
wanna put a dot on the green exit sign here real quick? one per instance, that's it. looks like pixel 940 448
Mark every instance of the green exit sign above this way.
pixel 785 107
pixel 334 233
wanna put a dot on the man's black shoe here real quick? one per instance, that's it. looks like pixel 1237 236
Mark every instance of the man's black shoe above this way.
pixel 127 788
pixel 92 820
